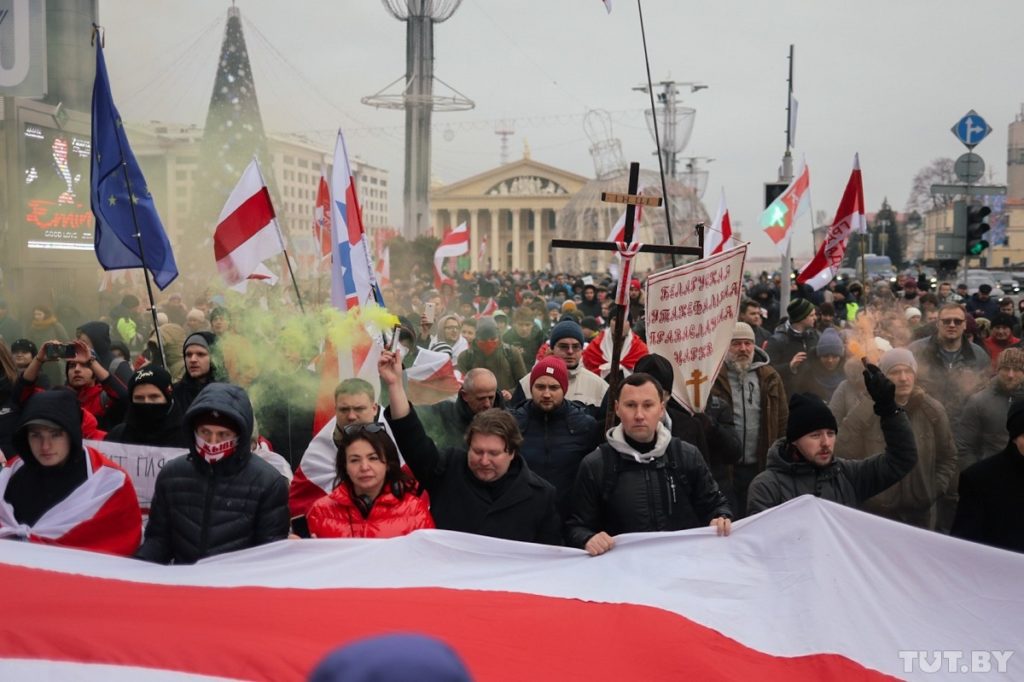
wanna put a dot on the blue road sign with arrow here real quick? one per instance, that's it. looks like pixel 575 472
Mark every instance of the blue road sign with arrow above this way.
pixel 971 129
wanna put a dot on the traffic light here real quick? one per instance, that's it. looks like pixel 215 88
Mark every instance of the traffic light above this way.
pixel 976 229
pixel 772 190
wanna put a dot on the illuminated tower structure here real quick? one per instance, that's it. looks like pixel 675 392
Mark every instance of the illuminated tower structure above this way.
pixel 418 100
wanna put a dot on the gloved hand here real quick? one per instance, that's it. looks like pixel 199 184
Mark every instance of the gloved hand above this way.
pixel 881 390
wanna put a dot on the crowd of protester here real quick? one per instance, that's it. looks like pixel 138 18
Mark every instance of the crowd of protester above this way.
pixel 900 399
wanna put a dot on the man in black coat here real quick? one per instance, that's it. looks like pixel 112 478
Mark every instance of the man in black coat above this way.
pixel 991 509
pixel 642 479
pixel 557 433
pixel 153 417
pixel 487 489
pixel 218 498
pixel 793 342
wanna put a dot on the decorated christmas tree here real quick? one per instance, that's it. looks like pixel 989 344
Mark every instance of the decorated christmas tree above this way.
pixel 232 135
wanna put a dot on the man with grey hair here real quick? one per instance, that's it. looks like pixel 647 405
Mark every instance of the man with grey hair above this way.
pixel 446 422
pixel 759 407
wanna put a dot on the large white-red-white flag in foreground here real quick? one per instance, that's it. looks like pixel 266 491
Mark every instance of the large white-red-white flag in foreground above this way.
pixel 691 314
pixel 806 591
pixel 247 232
pixel 849 218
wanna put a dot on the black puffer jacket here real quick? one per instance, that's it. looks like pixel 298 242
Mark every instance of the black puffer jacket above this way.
pixel 846 481
pixel 200 509
pixel 519 506
pixel 554 444
pixel 673 491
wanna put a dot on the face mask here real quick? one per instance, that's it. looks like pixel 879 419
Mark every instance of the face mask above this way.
pixel 488 347
pixel 149 414
pixel 215 452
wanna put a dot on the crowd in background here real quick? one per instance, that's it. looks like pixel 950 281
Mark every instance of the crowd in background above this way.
pixel 901 398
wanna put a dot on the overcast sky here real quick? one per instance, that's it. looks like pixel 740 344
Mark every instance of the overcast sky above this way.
pixel 887 78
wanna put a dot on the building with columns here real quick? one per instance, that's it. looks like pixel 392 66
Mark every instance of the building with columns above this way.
pixel 511 212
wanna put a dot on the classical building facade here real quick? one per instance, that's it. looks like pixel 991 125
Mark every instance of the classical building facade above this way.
pixel 511 212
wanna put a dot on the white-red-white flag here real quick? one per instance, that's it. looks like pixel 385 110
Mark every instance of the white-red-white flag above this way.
pixel 849 218
pixel 454 244
pixel 719 235
pixel 806 591
pixel 777 220
pixel 432 378
pixel 322 221
pixel 247 232
pixel 384 267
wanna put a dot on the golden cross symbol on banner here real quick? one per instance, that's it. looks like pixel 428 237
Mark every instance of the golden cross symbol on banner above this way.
pixel 631 199
pixel 696 379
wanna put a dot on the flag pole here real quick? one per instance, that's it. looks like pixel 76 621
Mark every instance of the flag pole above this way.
pixel 96 35
pixel 280 239
pixel 657 140
pixel 787 176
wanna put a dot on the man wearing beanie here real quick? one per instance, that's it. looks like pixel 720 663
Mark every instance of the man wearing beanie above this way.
pixel 793 342
pixel 756 396
pixel 199 367
pixel 1001 337
pixel 566 343
pixel 823 371
pixel 991 508
pixel 153 417
pixel 218 498
pixel 803 462
pixel 914 499
pixel 979 433
pixel 950 366
pixel 488 352
pixel 557 433
pixel 642 479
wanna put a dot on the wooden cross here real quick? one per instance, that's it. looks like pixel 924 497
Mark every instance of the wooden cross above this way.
pixel 631 199
pixel 695 380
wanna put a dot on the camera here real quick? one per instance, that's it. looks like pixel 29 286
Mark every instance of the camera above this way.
pixel 61 351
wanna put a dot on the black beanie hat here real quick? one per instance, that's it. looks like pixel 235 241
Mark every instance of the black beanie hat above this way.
pixel 151 374
pixel 799 309
pixel 1015 419
pixel 807 413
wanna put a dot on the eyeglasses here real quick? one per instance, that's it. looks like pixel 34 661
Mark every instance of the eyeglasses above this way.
pixel 568 347
pixel 356 429
pixel 952 321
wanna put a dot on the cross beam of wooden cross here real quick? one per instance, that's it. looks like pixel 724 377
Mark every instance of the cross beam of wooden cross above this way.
pixel 631 199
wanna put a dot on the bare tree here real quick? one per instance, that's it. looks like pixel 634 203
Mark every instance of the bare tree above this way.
pixel 939 171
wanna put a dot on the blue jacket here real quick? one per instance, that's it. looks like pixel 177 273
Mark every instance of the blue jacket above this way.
pixel 554 443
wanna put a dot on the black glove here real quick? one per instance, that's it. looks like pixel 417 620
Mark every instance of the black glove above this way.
pixel 881 390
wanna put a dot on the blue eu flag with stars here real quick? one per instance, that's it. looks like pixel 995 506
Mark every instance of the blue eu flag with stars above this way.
pixel 120 197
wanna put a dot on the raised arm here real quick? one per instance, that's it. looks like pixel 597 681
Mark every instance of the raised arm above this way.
pixel 419 451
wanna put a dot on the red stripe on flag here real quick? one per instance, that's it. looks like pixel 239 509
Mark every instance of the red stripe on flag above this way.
pixel 259 633
pixel 244 222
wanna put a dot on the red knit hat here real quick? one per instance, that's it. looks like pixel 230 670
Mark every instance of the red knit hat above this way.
pixel 553 367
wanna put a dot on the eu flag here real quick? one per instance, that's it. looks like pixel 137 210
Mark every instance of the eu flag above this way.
pixel 120 198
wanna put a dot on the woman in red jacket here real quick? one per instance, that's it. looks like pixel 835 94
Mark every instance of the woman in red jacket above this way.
pixel 373 497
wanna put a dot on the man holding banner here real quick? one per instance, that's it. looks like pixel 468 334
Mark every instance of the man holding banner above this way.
pixel 642 479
